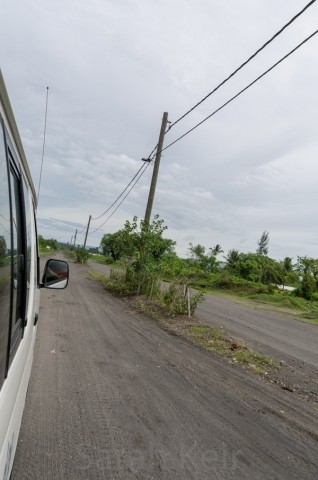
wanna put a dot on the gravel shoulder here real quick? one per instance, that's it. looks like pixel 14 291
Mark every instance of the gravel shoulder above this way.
pixel 113 396
pixel 288 340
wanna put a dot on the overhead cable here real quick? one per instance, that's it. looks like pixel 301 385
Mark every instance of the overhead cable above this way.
pixel 243 64
pixel 241 91
pixel 82 230
pixel 122 193
pixel 147 165
pixel 43 148
pixel 151 156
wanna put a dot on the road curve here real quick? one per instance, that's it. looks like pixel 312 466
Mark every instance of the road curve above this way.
pixel 112 396
pixel 267 331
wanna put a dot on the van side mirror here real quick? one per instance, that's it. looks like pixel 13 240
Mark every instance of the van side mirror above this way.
pixel 56 274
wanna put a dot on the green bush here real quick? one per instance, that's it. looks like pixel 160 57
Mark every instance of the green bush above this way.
pixel 81 255
pixel 226 281
pixel 307 288
pixel 176 299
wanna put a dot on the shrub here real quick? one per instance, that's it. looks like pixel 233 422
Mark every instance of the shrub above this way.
pixel 179 301
pixel 307 288
pixel 81 255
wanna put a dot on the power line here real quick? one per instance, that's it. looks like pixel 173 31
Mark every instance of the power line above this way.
pixel 149 156
pixel 94 231
pixel 44 134
pixel 122 193
pixel 241 91
pixel 243 64
pixel 217 110
pixel 82 230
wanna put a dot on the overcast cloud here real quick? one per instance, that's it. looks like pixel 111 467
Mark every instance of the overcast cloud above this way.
pixel 114 66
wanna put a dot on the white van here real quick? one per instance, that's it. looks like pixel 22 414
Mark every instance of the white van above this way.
pixel 19 281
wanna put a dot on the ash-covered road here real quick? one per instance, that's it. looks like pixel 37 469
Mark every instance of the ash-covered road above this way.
pixel 267 331
pixel 112 396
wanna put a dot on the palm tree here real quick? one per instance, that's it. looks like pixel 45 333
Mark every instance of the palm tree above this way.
pixel 288 264
pixel 232 258
pixel 197 252
pixel 216 250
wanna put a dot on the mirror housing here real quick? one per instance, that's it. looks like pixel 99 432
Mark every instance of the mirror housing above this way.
pixel 56 274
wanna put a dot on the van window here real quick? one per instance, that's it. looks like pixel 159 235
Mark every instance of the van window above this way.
pixel 5 257
pixel 18 262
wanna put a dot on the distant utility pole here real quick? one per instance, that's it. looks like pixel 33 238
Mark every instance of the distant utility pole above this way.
pixel 75 237
pixel 156 168
pixel 89 221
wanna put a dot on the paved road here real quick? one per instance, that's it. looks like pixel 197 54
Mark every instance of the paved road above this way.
pixel 267 331
pixel 112 396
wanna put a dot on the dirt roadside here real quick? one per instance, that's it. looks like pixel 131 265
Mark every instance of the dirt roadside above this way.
pixel 113 396
pixel 291 343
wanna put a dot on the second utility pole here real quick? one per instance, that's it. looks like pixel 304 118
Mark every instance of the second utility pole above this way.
pixel 156 168
pixel 89 221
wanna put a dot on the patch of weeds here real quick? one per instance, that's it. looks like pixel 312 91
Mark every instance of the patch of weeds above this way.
pixel 217 334
pixel 150 308
pixel 116 283
pixel 257 362
pixel 214 340
pixel 208 338
pixel 200 330
pixel 95 274
pixel 310 317
pixel 141 305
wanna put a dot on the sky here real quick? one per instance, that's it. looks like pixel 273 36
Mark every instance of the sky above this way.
pixel 114 66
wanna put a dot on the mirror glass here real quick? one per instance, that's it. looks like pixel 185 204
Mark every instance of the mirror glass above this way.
pixel 56 274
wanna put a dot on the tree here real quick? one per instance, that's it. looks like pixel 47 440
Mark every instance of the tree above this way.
pixel 288 264
pixel 119 244
pixel 216 250
pixel 308 269
pixel 151 246
pixel 138 239
pixel 307 265
pixel 197 252
pixel 50 243
pixel 291 276
pixel 307 288
pixel 259 268
pixel 201 260
pixel 263 242
pixel 3 247
pixel 232 258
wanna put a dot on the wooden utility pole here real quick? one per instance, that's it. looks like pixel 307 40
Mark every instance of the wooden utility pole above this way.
pixel 75 237
pixel 89 221
pixel 156 168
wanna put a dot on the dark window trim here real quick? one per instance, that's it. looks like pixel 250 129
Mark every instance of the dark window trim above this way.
pixel 8 323
pixel 16 328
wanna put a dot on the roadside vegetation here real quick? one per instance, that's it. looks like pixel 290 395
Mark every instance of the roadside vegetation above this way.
pixel 47 246
pixel 141 259
pixel 290 286
pixel 141 252
pixel 174 318
pixel 147 272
